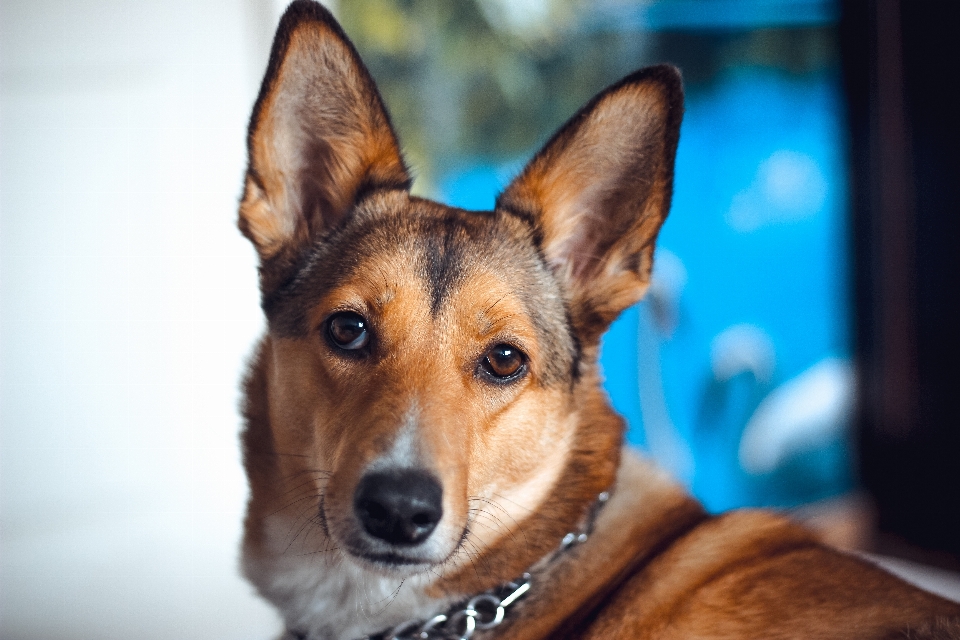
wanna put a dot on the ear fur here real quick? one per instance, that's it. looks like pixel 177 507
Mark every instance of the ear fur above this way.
pixel 600 189
pixel 319 137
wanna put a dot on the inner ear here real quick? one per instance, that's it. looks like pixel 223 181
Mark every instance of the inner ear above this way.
pixel 599 191
pixel 319 136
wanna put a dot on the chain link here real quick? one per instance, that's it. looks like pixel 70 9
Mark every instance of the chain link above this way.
pixel 484 611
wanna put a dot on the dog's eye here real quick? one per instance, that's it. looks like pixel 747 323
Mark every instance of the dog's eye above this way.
pixel 348 330
pixel 504 362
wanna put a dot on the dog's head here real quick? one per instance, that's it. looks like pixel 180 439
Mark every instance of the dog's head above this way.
pixel 429 373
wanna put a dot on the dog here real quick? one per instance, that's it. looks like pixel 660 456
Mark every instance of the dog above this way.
pixel 429 451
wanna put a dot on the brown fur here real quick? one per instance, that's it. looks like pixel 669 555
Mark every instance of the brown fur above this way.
pixel 568 247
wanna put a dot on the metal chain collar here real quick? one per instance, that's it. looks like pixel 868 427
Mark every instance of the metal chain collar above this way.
pixel 488 609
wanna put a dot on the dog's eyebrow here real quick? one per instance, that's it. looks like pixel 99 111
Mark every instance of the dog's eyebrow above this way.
pixel 387 290
pixel 490 308
pixel 488 319
pixel 485 322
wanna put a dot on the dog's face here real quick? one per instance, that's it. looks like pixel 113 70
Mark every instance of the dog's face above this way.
pixel 430 373
pixel 431 365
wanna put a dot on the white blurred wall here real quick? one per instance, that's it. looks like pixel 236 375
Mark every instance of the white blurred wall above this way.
pixel 128 304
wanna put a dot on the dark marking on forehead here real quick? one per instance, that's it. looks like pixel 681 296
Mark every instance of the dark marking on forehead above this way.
pixel 446 251
pixel 442 260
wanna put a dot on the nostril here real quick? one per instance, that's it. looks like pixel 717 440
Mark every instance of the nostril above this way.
pixel 375 511
pixel 423 519
pixel 401 506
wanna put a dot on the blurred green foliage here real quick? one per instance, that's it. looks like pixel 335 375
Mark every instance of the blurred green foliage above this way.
pixel 470 81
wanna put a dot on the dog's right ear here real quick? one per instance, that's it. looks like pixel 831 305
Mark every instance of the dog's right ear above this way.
pixel 319 136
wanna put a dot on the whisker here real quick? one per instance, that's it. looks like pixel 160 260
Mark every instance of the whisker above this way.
pixel 313 553
pixel 309 496
pixel 300 531
pixel 494 503
pixel 302 484
pixel 301 472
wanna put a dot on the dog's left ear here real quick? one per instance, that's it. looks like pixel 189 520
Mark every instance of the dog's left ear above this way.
pixel 319 136
pixel 598 192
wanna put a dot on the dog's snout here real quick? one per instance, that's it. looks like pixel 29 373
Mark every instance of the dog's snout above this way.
pixel 400 507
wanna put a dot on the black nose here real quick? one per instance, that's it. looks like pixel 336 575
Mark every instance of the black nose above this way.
pixel 401 506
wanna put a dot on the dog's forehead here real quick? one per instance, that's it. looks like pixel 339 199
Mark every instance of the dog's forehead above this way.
pixel 394 239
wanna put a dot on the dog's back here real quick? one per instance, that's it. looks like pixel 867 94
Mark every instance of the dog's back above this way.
pixel 427 441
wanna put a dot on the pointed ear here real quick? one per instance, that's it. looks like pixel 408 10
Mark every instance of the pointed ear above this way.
pixel 599 190
pixel 319 136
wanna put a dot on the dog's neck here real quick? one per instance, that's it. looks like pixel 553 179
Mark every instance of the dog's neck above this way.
pixel 646 513
pixel 343 601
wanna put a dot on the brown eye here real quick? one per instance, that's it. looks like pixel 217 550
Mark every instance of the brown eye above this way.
pixel 348 330
pixel 504 362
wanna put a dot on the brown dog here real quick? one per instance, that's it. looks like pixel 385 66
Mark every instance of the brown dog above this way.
pixel 429 450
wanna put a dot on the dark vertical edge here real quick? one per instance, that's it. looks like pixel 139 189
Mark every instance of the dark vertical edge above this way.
pixel 899 59
pixel 856 44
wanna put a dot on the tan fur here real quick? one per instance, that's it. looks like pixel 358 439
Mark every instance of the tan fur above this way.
pixel 520 460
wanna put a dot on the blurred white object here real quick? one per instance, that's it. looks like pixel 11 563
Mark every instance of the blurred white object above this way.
pixel 787 187
pixel 802 414
pixel 741 348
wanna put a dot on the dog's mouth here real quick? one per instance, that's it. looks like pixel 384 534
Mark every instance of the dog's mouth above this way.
pixel 393 560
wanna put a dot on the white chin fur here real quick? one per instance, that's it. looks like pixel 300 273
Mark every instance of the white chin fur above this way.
pixel 333 597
